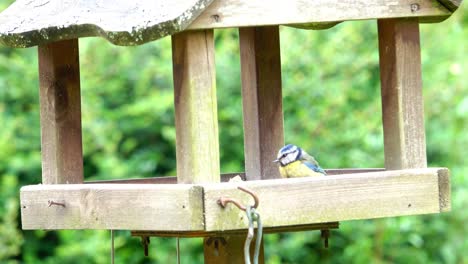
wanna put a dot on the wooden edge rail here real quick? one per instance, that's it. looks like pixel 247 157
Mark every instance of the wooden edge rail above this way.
pixel 267 230
pixel 317 14
pixel 194 207
pixel 112 206
pixel 225 177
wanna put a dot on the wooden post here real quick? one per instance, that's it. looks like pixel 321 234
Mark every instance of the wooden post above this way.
pixel 262 100
pixel 196 117
pixel 229 250
pixel 195 107
pixel 59 78
pixel 402 101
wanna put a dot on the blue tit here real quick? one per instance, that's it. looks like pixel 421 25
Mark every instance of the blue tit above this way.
pixel 295 162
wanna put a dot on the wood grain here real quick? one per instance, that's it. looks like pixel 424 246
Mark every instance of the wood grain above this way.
pixel 196 121
pixel 312 14
pixel 286 202
pixel 262 100
pixel 196 115
pixel 112 206
pixel 402 101
pixel 59 92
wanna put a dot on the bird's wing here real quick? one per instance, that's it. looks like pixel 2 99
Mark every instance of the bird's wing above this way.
pixel 315 167
pixel 306 157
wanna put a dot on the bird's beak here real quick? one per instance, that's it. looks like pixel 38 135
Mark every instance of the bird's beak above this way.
pixel 276 160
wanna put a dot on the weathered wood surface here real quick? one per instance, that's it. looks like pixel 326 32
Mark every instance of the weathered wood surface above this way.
pixel 262 100
pixel 196 113
pixel 197 138
pixel 402 99
pixel 33 22
pixel 315 14
pixel 328 199
pixel 194 208
pixel 60 104
pixel 112 206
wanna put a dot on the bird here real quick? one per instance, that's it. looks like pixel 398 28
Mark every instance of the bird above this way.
pixel 295 162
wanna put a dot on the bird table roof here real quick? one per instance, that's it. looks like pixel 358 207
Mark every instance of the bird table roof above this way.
pixel 123 22
pixel 28 23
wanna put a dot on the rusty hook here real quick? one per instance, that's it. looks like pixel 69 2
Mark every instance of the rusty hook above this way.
pixel 223 201
pixel 254 196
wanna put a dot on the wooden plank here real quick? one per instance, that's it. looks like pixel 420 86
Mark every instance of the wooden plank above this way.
pixel 262 100
pixel 286 202
pixel 196 119
pixel 266 230
pixel 402 100
pixel 59 79
pixel 122 22
pixel 112 206
pixel 312 14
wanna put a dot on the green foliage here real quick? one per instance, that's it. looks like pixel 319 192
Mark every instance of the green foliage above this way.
pixel 332 107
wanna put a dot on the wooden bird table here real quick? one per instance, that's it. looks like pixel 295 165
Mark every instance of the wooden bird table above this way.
pixel 186 205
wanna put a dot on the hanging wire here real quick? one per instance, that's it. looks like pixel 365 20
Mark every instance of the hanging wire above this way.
pixel 112 246
pixel 258 242
pixel 250 234
pixel 178 250
pixel 253 216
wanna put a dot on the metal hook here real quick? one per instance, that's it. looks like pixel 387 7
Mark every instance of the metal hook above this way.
pixel 223 201
pixel 254 196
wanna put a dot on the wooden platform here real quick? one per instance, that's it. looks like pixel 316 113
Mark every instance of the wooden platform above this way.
pixel 193 207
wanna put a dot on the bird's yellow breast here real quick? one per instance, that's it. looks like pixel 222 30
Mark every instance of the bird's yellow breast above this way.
pixel 297 169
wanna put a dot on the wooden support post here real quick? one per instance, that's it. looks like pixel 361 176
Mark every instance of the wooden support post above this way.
pixel 59 78
pixel 402 101
pixel 195 107
pixel 229 250
pixel 262 100
pixel 196 115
